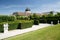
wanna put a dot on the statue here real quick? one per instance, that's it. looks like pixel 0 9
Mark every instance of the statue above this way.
pixel 58 21
pixel 5 28
pixel 51 22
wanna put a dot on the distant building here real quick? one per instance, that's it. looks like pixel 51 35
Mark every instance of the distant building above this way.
pixel 26 13
pixel 46 13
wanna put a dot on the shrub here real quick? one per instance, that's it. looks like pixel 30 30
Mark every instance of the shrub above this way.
pixel 49 18
pixel 31 17
pixel 1 27
pixel 25 24
pixel 54 19
pixel 7 18
pixel 34 16
pixel 20 24
pixel 11 18
pixel 22 18
pixel 36 22
pixel 43 19
pixel 13 25
pixel 26 18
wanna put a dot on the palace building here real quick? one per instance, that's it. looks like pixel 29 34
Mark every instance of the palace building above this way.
pixel 26 13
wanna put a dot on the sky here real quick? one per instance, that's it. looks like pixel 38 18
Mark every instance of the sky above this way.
pixel 7 7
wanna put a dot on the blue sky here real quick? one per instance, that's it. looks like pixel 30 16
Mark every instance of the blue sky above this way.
pixel 9 6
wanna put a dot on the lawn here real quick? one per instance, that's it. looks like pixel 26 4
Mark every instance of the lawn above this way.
pixel 48 33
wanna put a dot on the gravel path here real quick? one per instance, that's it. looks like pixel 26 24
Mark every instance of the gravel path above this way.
pixel 21 31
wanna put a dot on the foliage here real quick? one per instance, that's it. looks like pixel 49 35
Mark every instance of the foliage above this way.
pixel 34 16
pixel 22 18
pixel 19 24
pixel 50 17
pixel 13 25
pixel 1 27
pixel 7 18
pixel 26 24
pixel 43 19
pixel 36 22
pixel 31 17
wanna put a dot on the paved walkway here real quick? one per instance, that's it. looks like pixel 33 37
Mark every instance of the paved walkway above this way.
pixel 19 31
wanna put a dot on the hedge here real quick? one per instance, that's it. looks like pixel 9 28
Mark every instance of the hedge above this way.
pixel 36 22
pixel 42 21
pixel 17 25
pixel 1 27
pixel 22 18
pixel 13 25
pixel 54 19
pixel 25 24
pixel 22 24
pixel 7 18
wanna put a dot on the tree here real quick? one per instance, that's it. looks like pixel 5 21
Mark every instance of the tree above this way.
pixel 31 17
pixel 58 14
pixel 51 12
pixel 35 16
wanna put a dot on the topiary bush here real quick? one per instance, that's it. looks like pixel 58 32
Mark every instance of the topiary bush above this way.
pixel 36 22
pixel 13 25
pixel 20 24
pixel 25 24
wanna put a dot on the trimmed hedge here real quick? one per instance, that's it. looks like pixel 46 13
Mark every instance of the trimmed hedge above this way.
pixel 54 19
pixel 21 24
pixel 22 18
pixel 25 24
pixel 13 25
pixel 7 18
pixel 1 27
pixel 47 19
pixel 42 21
pixel 36 22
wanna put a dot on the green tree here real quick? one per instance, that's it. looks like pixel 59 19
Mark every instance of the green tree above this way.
pixel 58 14
pixel 35 16
pixel 50 14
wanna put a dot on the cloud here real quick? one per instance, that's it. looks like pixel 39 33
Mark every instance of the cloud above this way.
pixel 16 6
pixel 36 8
pixel 51 7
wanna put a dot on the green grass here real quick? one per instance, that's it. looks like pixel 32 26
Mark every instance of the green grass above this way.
pixel 48 33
